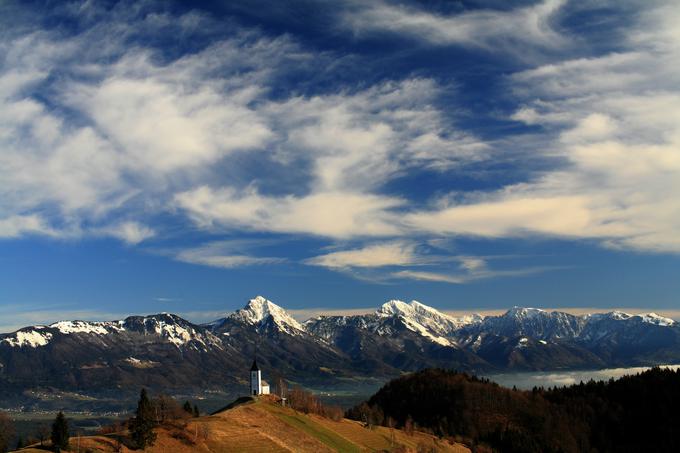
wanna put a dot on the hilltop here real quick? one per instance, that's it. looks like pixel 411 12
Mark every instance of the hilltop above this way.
pixel 262 425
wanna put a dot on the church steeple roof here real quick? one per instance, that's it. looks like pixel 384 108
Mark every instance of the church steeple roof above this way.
pixel 254 367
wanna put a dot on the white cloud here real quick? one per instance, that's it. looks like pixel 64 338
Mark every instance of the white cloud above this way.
pixel 472 263
pixel 165 117
pixel 144 133
pixel 129 232
pixel 353 144
pixel 375 262
pixel 18 225
pixel 332 214
pixel 466 275
pixel 127 132
pixel 516 30
pixel 221 254
pixel 506 215
pixel 615 120
pixel 429 276
pixel 396 253
pixel 359 140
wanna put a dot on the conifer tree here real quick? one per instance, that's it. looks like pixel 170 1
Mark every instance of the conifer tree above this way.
pixel 142 424
pixel 187 407
pixel 60 433
pixel 196 411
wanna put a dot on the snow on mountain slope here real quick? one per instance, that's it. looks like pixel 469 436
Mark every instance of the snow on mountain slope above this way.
pixel 100 328
pixel 653 318
pixel 29 338
pixel 649 318
pixel 612 315
pixel 260 311
pixel 41 335
pixel 425 320
pixel 170 328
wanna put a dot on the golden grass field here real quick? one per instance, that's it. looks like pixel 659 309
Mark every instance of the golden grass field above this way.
pixel 264 426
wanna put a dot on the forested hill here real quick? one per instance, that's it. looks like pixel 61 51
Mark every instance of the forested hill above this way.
pixel 632 414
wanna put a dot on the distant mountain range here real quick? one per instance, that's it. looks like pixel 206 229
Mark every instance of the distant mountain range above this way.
pixel 167 352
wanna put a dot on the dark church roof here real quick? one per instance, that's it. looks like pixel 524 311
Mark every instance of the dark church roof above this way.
pixel 254 367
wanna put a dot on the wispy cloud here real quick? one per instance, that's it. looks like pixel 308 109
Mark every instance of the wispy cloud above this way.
pixel 398 253
pixel 167 299
pixel 468 275
pixel 332 214
pixel 515 30
pixel 376 262
pixel 129 232
pixel 18 225
pixel 613 119
pixel 222 254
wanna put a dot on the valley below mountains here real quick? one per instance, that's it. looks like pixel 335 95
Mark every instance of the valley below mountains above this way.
pixel 92 361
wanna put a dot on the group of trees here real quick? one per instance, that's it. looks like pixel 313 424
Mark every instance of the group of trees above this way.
pixel 191 410
pixel 635 413
pixel 59 434
pixel 153 412
pixel 308 403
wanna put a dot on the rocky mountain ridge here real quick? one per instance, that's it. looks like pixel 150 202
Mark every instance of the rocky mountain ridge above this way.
pixel 167 351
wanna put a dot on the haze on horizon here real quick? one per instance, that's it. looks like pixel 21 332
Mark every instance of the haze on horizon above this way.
pixel 185 156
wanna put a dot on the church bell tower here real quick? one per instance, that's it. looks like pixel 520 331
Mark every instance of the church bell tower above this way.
pixel 255 379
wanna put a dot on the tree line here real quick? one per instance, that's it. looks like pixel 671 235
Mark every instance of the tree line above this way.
pixel 631 414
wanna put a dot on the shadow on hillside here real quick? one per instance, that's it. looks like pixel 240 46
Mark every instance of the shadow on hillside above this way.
pixel 238 402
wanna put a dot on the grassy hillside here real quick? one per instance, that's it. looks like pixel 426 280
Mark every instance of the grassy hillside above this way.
pixel 264 426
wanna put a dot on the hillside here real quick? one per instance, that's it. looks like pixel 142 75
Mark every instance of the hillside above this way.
pixel 631 414
pixel 264 426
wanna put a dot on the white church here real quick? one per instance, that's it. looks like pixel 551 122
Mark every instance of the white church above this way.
pixel 257 385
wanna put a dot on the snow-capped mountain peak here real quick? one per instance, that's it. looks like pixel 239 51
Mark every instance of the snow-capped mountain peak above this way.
pixel 393 307
pixel 260 310
pixel 31 337
pixel 524 312
pixel 619 315
pixel 653 318
pixel 427 321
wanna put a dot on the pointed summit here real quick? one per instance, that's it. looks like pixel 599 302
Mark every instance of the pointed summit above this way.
pixel 427 321
pixel 394 307
pixel 260 311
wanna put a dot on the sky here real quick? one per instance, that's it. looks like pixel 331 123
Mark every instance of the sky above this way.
pixel 183 157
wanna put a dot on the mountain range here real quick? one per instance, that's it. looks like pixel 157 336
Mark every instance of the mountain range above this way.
pixel 167 352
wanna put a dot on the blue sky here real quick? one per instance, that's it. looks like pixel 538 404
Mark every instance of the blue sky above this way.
pixel 184 157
